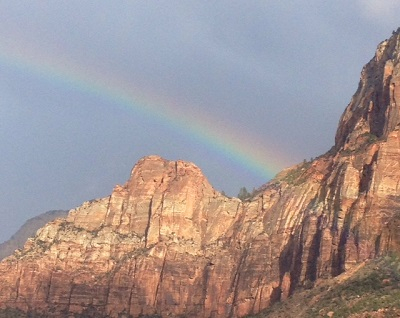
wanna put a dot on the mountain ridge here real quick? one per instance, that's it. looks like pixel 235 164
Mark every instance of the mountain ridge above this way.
pixel 27 230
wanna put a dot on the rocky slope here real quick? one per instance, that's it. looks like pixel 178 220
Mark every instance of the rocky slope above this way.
pixel 167 243
pixel 27 230
pixel 368 290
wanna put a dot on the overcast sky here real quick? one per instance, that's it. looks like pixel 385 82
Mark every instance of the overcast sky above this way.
pixel 89 87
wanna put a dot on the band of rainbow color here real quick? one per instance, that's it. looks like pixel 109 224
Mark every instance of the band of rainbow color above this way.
pixel 244 150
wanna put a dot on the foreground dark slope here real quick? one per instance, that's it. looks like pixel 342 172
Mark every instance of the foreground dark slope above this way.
pixel 369 290
pixel 167 243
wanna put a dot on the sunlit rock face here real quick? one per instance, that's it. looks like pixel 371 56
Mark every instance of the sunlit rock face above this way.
pixel 167 243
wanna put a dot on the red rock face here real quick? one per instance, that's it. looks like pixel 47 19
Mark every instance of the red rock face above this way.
pixel 167 243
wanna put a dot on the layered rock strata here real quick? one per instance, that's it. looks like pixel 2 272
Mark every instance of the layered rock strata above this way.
pixel 167 243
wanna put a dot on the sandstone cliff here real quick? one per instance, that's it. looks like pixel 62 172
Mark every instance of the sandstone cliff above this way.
pixel 167 243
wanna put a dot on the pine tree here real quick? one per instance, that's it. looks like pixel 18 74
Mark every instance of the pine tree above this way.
pixel 243 194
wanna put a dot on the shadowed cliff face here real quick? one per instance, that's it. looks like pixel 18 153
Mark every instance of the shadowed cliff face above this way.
pixel 166 242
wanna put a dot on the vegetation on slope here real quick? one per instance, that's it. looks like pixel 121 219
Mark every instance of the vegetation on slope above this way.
pixel 371 289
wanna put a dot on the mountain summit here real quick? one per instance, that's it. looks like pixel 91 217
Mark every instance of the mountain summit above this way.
pixel 167 244
pixel 374 108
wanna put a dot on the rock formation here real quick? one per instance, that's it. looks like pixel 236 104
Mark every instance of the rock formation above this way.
pixel 167 243
pixel 27 230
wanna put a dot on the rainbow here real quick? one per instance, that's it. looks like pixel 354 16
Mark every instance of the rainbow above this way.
pixel 245 150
